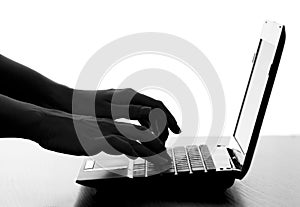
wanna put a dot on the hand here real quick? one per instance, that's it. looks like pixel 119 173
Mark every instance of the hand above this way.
pixel 57 133
pixel 127 102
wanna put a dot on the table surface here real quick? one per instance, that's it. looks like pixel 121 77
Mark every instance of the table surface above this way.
pixel 32 176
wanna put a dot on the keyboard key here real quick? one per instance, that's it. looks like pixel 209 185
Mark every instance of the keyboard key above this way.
pixel 195 158
pixel 181 161
pixel 143 168
pixel 89 164
pixel 139 166
pixel 152 169
pixel 171 169
pixel 207 158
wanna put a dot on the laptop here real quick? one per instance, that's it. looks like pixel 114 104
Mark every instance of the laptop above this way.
pixel 233 155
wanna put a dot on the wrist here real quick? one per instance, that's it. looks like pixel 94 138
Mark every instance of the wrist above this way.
pixel 60 98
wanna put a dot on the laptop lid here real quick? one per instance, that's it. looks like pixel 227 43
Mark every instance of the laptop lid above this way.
pixel 259 87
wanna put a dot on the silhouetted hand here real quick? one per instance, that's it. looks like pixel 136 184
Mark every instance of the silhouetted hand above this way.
pixel 129 104
pixel 57 133
pixel 37 108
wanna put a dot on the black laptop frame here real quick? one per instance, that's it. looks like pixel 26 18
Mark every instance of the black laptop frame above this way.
pixel 262 109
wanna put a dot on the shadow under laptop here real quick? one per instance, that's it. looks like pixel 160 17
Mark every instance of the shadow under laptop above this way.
pixel 163 195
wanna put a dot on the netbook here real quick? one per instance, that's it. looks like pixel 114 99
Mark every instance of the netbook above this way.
pixel 233 155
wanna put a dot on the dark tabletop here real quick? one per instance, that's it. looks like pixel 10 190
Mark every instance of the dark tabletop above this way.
pixel 31 176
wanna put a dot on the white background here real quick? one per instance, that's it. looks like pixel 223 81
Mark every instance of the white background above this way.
pixel 57 38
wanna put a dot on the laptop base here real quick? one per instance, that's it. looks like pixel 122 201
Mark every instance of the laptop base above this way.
pixel 159 184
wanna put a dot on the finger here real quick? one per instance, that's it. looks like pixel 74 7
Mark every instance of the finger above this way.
pixel 161 132
pixel 130 131
pixel 158 122
pixel 144 123
pixel 134 132
pixel 155 145
pixel 133 112
pixel 121 97
pixel 158 147
pixel 156 130
pixel 146 153
pixel 153 119
pixel 140 99
pixel 164 135
pixel 118 146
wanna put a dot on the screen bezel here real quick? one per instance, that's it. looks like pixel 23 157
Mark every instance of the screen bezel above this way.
pixel 245 95
pixel 262 109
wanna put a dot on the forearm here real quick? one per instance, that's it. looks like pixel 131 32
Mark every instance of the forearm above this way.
pixel 24 84
pixel 19 119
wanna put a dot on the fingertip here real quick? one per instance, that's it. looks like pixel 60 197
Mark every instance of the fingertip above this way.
pixel 165 155
pixel 157 159
pixel 175 129
pixel 178 130
pixel 131 157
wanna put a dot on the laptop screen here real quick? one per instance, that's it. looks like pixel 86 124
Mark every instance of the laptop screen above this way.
pixel 256 87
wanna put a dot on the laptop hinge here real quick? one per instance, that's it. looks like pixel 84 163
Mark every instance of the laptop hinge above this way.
pixel 236 157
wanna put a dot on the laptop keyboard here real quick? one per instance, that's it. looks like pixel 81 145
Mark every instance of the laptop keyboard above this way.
pixel 195 158
pixel 184 160
pixel 189 159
